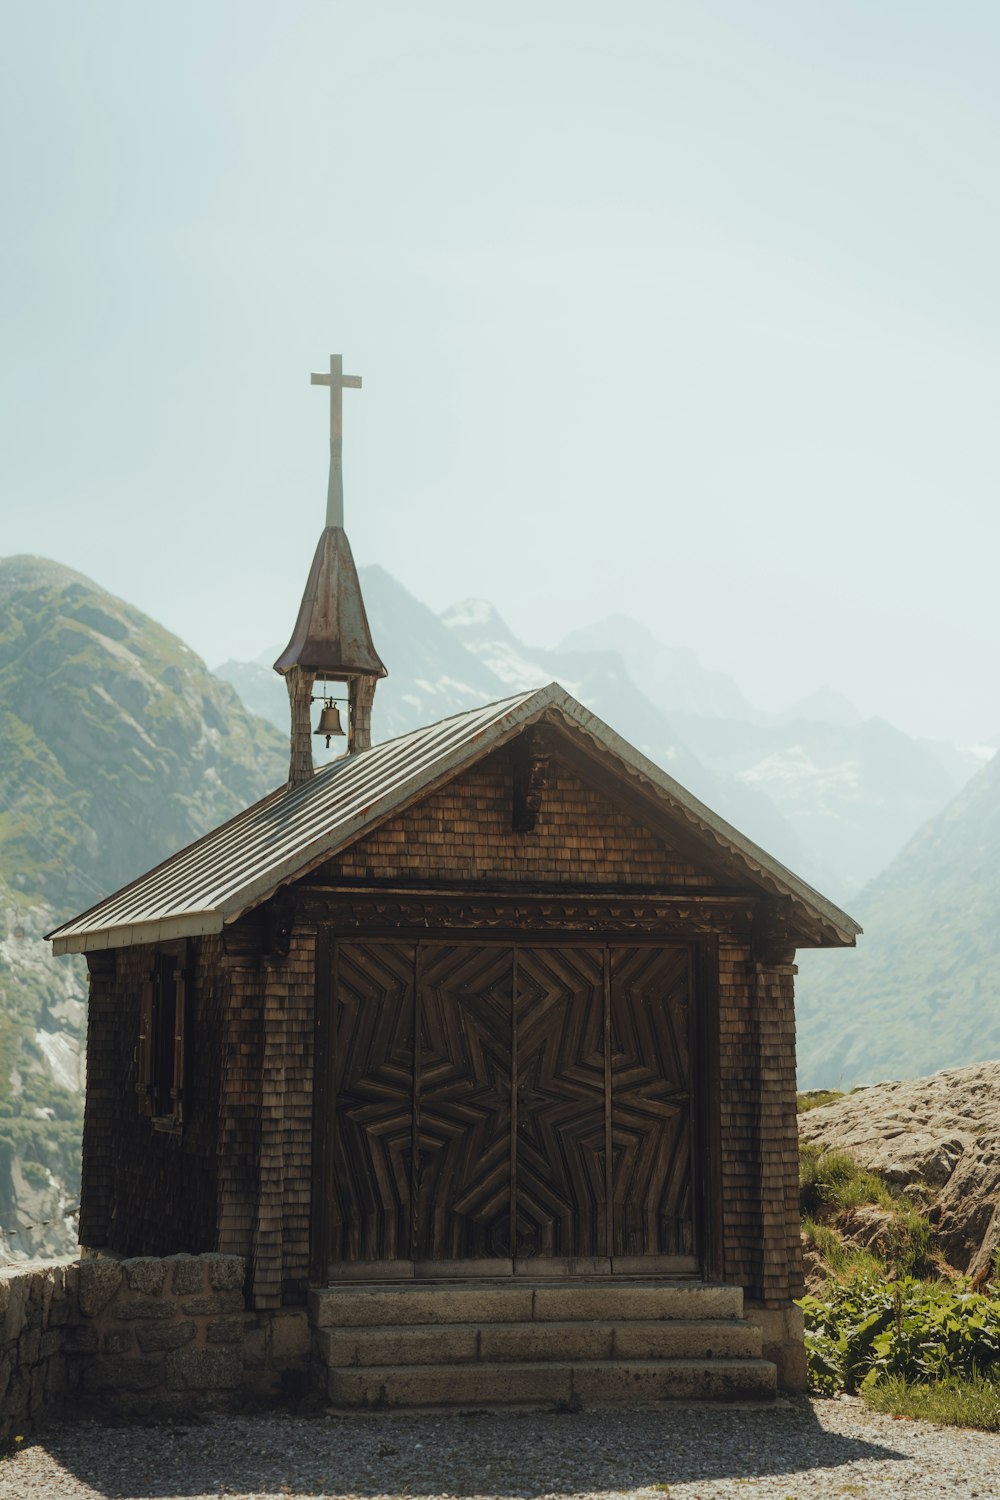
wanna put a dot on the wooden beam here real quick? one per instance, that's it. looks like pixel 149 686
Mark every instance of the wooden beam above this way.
pixel 530 755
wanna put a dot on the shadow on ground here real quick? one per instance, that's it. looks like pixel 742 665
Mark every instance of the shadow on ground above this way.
pixel 516 1454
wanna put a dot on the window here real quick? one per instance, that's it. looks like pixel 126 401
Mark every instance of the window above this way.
pixel 160 1054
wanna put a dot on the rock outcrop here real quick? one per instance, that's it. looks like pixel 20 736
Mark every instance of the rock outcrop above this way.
pixel 940 1133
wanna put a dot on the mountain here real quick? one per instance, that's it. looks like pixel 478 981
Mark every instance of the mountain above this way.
pixel 854 793
pixel 852 789
pixel 922 990
pixel 671 675
pixel 118 747
pixel 598 675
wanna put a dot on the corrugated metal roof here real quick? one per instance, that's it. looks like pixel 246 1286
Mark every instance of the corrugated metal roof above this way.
pixel 241 863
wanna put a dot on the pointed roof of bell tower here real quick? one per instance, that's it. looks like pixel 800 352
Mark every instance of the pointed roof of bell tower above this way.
pixel 331 637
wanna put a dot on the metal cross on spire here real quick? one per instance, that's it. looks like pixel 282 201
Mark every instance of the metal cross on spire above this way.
pixel 337 381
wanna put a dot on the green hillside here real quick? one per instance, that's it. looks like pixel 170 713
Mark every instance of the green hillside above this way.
pixel 116 747
pixel 922 992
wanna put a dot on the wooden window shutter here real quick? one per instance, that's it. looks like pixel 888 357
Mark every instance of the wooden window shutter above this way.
pixel 180 1010
pixel 144 1083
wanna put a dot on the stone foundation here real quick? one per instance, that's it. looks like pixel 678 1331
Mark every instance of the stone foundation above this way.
pixel 142 1337
pixel 783 1342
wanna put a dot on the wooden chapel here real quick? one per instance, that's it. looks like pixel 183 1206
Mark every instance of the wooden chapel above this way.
pixel 495 1003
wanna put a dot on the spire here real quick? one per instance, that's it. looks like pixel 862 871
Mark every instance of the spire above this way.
pixel 331 639
pixel 337 381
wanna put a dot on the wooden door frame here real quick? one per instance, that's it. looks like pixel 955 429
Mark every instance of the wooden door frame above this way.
pixel 706 1132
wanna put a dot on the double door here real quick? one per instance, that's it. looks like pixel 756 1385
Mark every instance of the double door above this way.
pixel 495 1105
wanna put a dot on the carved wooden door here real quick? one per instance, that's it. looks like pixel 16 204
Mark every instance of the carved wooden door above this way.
pixel 370 1187
pixel 463 1088
pixel 476 1086
pixel 651 1101
pixel 561 1126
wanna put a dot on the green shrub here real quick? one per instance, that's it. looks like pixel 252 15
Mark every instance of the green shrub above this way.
pixel 869 1329
pixel 831 1182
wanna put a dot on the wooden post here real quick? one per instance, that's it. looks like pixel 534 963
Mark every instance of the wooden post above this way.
pixel 359 728
pixel 300 686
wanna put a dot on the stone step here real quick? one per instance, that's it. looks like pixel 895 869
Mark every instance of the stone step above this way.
pixel 470 1343
pixel 517 1302
pixel 560 1384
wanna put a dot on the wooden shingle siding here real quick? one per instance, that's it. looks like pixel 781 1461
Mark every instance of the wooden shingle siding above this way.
pixel 782 1248
pixel 242 1056
pixel 101 1109
pixel 760 1169
pixel 738 1108
pixel 463 832
pixel 280 1250
pixel 146 1191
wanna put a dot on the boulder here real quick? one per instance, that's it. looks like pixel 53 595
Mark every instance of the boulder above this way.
pixel 941 1133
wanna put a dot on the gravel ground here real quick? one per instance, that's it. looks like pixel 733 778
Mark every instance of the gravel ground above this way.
pixel 793 1450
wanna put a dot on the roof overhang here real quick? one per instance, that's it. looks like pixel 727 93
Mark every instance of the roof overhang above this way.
pixel 131 935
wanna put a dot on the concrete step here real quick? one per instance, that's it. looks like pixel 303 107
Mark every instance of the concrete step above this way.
pixel 561 1384
pixel 496 1343
pixel 517 1302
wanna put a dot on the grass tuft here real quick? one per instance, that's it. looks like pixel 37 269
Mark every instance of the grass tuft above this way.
pixel 954 1402
pixel 833 1180
pixel 815 1099
pixel 845 1261
pixel 830 1184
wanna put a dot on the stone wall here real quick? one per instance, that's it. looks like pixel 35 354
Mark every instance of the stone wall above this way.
pixel 161 1331
pixel 38 1307
pixel 140 1337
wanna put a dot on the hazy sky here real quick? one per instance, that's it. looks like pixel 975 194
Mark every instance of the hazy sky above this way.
pixel 686 310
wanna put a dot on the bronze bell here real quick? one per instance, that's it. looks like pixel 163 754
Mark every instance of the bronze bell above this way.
pixel 329 722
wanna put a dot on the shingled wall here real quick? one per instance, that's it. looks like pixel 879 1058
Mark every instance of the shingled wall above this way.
pixel 463 832
pixel 147 1191
pixel 280 1253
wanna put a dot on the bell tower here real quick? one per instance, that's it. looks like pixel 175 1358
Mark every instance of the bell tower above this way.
pixel 331 640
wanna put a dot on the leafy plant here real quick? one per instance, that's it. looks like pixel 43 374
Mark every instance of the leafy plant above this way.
pixel 868 1330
